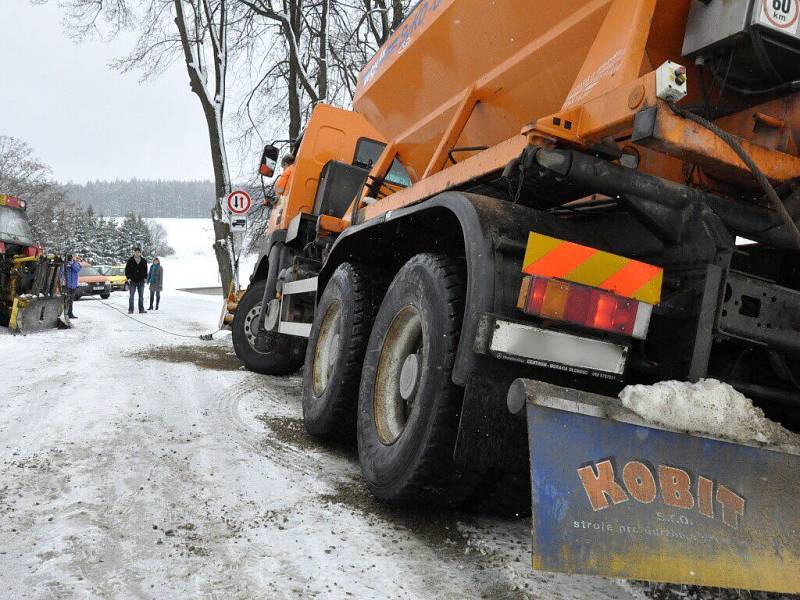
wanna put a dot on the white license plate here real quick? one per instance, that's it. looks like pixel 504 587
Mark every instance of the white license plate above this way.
pixel 558 350
pixel 98 288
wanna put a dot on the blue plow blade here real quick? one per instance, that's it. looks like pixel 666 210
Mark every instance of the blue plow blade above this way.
pixel 615 496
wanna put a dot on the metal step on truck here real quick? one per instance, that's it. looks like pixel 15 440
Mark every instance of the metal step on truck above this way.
pixel 532 205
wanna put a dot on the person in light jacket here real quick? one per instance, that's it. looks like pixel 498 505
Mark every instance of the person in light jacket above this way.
pixel 155 279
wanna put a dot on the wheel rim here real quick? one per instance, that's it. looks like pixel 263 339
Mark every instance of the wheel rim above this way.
pixel 398 375
pixel 251 325
pixel 326 351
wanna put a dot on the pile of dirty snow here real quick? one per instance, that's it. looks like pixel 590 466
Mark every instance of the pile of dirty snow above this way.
pixel 707 407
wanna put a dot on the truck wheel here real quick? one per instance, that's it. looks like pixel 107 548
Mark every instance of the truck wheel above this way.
pixel 269 353
pixel 409 408
pixel 105 296
pixel 335 352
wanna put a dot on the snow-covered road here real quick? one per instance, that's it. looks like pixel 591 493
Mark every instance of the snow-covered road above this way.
pixel 141 465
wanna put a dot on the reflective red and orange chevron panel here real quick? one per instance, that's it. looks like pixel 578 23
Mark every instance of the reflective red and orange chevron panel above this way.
pixel 546 256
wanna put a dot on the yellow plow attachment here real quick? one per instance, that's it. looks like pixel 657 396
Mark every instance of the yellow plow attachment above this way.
pixel 34 295
pixel 30 314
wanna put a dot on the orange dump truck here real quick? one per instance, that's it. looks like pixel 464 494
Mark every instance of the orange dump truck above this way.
pixel 532 205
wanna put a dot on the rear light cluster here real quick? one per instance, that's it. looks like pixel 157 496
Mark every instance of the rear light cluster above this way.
pixel 2 248
pixel 584 306
pixel 31 251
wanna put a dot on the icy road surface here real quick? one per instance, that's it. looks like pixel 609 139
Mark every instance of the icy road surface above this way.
pixel 135 464
pixel 141 465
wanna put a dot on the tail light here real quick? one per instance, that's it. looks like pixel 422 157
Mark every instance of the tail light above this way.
pixel 32 251
pixel 584 306
pixel 2 247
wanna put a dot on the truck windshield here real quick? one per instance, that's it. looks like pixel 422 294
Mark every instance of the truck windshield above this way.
pixel 14 226
pixel 368 151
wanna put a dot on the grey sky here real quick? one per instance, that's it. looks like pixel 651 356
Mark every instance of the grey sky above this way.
pixel 86 121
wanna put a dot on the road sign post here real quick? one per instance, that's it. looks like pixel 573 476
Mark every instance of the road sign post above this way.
pixel 238 205
pixel 238 224
pixel 239 202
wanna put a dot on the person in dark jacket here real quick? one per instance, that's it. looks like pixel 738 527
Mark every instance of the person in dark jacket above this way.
pixel 70 279
pixel 155 279
pixel 136 273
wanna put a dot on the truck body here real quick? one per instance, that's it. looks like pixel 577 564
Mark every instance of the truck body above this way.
pixel 549 193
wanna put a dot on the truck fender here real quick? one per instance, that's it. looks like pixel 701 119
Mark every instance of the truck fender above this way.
pixel 262 262
pixel 488 233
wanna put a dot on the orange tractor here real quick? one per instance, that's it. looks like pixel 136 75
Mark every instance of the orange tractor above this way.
pixel 532 205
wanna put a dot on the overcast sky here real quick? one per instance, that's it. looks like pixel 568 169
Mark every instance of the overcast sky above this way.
pixel 86 121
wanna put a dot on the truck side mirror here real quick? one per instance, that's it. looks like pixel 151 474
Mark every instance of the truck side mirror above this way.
pixel 269 159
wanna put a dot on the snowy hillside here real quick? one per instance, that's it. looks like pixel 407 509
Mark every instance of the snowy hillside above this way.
pixel 193 264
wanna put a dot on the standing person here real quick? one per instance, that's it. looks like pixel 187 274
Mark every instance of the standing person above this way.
pixel 136 272
pixel 155 279
pixel 70 272
pixel 283 183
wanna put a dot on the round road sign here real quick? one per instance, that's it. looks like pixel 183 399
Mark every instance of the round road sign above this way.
pixel 239 202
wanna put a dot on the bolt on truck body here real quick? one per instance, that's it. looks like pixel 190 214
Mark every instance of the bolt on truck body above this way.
pixel 529 207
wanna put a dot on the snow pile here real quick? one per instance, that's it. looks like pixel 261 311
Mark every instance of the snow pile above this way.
pixel 706 407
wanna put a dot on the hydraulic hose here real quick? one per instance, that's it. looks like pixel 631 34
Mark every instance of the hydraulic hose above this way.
pixel 754 222
pixel 769 191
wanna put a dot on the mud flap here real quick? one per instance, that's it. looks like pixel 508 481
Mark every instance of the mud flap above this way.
pixel 617 497
pixel 29 315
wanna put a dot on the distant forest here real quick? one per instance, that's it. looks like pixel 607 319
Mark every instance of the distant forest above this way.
pixel 143 197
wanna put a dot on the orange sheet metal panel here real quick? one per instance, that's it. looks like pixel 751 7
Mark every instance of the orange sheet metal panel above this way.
pixel 484 162
pixel 522 55
pixel 689 141
pixel 550 257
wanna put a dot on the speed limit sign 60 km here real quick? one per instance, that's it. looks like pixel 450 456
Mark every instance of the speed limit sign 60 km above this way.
pixel 239 202
pixel 780 14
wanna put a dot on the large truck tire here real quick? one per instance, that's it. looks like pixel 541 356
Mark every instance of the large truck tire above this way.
pixel 335 352
pixel 409 408
pixel 268 353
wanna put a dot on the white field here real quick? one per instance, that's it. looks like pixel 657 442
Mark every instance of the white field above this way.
pixel 193 265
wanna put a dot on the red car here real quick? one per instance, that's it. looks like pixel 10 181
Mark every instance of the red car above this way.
pixel 92 283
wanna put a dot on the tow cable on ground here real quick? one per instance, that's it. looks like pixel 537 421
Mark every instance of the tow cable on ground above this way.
pixel 203 336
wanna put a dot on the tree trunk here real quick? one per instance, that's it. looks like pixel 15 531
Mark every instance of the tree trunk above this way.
pixel 213 111
pixel 295 115
pixel 322 74
pixel 222 187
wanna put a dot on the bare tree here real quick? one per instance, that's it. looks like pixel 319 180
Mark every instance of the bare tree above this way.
pixel 324 45
pixel 168 30
pixel 22 174
pixel 289 55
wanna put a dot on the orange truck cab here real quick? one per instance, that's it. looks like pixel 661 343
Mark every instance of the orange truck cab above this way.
pixel 544 192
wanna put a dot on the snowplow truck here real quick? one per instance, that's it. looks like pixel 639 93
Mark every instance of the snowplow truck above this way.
pixel 30 287
pixel 532 205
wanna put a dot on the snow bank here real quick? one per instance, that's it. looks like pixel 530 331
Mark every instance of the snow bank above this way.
pixel 707 407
